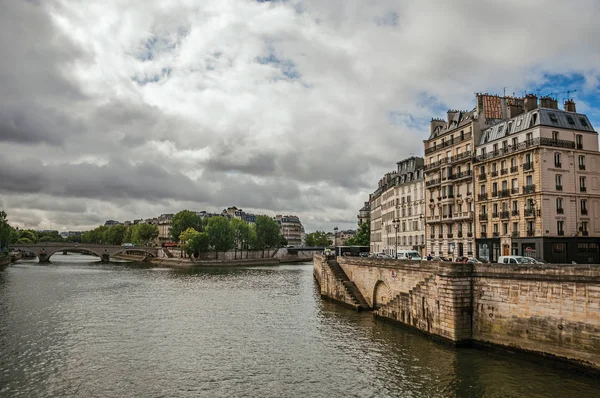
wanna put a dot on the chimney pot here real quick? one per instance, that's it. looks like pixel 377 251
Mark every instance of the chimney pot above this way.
pixel 570 106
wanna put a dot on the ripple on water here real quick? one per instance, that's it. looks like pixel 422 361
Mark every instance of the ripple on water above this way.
pixel 76 328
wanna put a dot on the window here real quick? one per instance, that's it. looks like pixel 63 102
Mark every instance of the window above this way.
pixel 530 227
pixel 515 228
pixel 529 181
pixel 553 117
pixel 519 121
pixel 500 129
pixel 559 206
pixel 483 209
pixel 557 159
pixel 579 141
pixel 570 119
pixel 495 207
pixel 505 228
pixel 495 148
pixel 496 228
pixel 584 122
pixel 533 119
pixel 582 186
pixel 494 167
pixel 504 145
pixel 558 182
pixel 504 185
pixel 482 189
pixel 555 135
pixel 515 183
pixel 509 127
pixel 515 205
pixel 529 138
pixel 584 228
pixel 483 228
pixel 495 188
pixel 583 205
pixel 560 227
pixel 482 170
pixel 581 162
pixel 503 165
pixel 515 142
pixel 483 152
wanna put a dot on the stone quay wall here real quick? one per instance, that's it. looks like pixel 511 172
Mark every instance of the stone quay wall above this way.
pixel 553 310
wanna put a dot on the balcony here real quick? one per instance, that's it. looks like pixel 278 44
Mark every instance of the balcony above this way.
pixel 460 234
pixel 494 174
pixel 579 145
pixel 560 211
pixel 584 212
pixel 561 233
pixel 461 175
pixel 495 235
pixel 528 166
pixel 482 176
pixel 441 236
pixel 514 169
pixel 504 214
pixel 494 194
pixel 558 165
pixel 483 216
pixel 585 233
pixel 514 191
pixel 431 183
pixel 559 187
pixel 525 145
pixel 530 233
pixel 503 171
pixel 447 144
pixel 432 237
pixel 465 215
pixel 529 213
pixel 505 193
pixel 514 213
pixel 484 234
pixel 515 234
pixel 495 215
pixel 450 236
pixel 582 167
pixel 482 196
pixel 469 234
pixel 583 189
pixel 529 189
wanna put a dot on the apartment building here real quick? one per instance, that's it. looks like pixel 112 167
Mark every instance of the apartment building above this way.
pixel 364 214
pixel 538 184
pixel 164 227
pixel 291 229
pixel 397 209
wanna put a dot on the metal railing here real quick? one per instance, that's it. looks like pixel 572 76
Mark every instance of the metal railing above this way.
pixel 541 141
pixel 447 144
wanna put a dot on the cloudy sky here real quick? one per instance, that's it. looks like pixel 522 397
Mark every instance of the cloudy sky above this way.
pixel 128 109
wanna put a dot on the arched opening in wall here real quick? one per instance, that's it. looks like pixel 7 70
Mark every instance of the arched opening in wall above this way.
pixel 71 254
pixel 382 294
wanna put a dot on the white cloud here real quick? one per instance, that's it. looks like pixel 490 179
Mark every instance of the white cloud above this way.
pixel 282 107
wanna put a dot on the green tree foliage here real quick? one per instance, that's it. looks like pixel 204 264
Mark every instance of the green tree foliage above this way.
pixel 115 235
pixel 96 235
pixel 268 234
pixel 49 236
pixel 199 243
pixel 144 234
pixel 220 234
pixel 6 231
pixel 28 236
pixel 241 234
pixel 318 239
pixel 183 220
pixel 185 238
pixel 362 236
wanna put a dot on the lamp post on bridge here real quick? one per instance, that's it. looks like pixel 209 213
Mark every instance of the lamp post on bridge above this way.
pixel 335 233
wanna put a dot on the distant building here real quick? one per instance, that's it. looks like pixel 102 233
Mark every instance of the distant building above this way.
pixel 111 223
pixel 364 214
pixel 343 236
pixel 291 229
pixel 164 227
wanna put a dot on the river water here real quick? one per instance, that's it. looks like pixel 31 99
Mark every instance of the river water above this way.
pixel 77 328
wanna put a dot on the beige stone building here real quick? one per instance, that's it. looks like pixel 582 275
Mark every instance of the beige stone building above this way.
pixel 538 184
pixel 397 209
pixel 364 214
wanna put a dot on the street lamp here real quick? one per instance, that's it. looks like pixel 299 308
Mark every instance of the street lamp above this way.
pixel 335 232
pixel 396 222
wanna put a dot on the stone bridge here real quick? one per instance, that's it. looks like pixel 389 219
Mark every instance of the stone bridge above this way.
pixel 43 251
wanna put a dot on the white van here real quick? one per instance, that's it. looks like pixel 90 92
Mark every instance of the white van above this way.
pixel 409 255
pixel 512 260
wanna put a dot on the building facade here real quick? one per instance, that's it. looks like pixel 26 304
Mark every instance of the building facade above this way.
pixel 164 227
pixel 538 185
pixel 364 214
pixel 397 209
pixel 291 229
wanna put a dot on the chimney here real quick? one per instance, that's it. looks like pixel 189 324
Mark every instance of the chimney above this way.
pixel 451 113
pixel 548 102
pixel 530 102
pixel 570 106
pixel 435 123
pixel 514 110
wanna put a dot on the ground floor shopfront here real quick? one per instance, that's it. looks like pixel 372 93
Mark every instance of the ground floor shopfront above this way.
pixel 582 250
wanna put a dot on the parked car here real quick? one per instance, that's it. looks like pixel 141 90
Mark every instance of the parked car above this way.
pixel 383 255
pixel 512 260
pixel 474 260
pixel 409 255
pixel 532 260
pixel 127 245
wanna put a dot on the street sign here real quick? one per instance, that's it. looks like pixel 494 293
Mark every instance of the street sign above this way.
pixel 394 274
pixel 528 249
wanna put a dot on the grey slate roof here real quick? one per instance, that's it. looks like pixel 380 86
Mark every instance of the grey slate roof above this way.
pixel 537 117
pixel 459 119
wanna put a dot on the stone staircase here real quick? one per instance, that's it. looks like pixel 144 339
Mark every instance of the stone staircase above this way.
pixel 168 252
pixel 358 299
pixel 403 301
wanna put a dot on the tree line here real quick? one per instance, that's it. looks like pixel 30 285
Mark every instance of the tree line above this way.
pixel 196 235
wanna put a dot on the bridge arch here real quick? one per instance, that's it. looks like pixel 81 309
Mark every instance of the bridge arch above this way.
pixel 382 294
pixel 133 250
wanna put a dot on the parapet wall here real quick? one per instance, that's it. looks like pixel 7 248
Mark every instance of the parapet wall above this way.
pixel 552 310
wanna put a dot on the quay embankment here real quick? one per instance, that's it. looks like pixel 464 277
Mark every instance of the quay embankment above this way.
pixel 551 310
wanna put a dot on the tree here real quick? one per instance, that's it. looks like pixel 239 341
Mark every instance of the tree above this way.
pixel 198 244
pixel 28 236
pixel 183 220
pixel 220 235
pixel 6 230
pixel 268 234
pixel 241 233
pixel 185 238
pixel 318 239
pixel 144 234
pixel 115 234
pixel 362 236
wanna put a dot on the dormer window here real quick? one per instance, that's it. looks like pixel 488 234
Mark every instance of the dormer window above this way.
pixel 570 120
pixel 583 122
pixel 553 117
